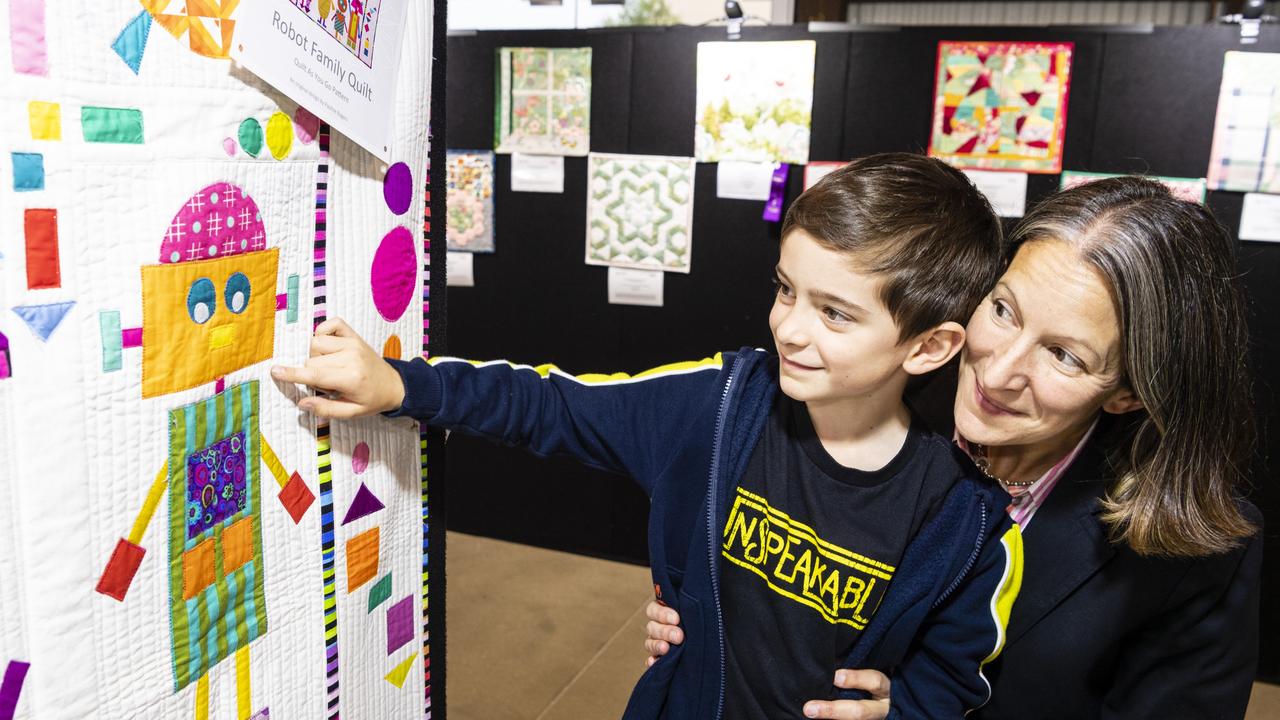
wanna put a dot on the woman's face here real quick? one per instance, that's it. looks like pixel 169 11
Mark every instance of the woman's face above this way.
pixel 1043 353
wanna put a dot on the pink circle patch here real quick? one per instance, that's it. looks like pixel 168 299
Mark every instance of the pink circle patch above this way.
pixel 219 220
pixel 360 458
pixel 394 273
pixel 397 188
pixel 305 125
pixel 229 147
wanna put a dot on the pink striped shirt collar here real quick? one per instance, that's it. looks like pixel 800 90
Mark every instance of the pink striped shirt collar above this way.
pixel 1028 502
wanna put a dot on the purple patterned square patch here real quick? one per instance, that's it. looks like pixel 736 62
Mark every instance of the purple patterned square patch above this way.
pixel 216 484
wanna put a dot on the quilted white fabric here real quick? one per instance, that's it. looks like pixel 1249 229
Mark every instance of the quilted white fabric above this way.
pixel 80 446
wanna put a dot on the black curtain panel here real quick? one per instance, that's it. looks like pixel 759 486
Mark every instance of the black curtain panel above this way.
pixel 1139 102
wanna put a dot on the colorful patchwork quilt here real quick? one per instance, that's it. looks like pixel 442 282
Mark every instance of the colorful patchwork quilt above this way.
pixel 177 540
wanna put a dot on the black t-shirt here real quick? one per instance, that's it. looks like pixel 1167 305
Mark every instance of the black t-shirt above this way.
pixel 808 551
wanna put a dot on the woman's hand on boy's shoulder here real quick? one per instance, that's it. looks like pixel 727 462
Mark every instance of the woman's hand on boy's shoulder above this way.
pixel 351 379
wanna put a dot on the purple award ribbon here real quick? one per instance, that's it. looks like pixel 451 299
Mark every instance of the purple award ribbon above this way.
pixel 777 192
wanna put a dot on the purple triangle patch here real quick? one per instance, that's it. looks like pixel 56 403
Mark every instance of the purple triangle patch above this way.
pixel 365 503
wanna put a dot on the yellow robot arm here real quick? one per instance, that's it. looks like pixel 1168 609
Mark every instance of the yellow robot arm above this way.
pixel 128 554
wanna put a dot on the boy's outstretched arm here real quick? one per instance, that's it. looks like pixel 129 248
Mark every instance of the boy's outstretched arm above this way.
pixel 355 379
pixel 624 424
pixel 941 676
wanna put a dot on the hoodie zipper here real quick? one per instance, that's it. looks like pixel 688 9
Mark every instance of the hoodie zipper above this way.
pixel 973 558
pixel 711 524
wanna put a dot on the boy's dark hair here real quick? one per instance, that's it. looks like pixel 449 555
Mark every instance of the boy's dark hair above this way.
pixel 914 220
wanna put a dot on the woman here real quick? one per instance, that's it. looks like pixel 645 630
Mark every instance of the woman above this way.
pixel 1104 385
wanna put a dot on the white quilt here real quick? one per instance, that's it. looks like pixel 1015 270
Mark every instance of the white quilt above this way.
pixel 170 228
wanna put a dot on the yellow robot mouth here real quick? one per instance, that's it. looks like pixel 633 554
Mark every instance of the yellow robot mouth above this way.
pixel 222 337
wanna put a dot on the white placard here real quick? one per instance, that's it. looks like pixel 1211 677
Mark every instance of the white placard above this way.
pixel 537 173
pixel 460 269
pixel 1260 219
pixel 1006 191
pixel 349 83
pixel 635 287
pixel 744 180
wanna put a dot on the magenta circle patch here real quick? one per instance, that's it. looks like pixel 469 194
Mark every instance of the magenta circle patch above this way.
pixel 360 458
pixel 397 188
pixel 394 273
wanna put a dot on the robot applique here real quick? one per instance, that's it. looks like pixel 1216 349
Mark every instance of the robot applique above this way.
pixel 209 309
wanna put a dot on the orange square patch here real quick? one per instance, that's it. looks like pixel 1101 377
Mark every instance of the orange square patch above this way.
pixel 237 545
pixel 362 558
pixel 197 569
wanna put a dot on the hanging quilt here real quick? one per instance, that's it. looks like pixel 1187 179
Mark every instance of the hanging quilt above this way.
pixel 469 195
pixel 543 101
pixel 1001 105
pixel 640 211
pixel 1246 135
pixel 195 546
pixel 754 101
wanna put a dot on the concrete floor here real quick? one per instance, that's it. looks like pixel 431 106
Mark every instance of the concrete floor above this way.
pixel 542 635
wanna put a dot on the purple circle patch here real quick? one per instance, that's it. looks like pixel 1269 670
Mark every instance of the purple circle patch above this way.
pixel 397 188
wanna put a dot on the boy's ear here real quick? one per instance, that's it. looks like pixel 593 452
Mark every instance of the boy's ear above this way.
pixel 933 348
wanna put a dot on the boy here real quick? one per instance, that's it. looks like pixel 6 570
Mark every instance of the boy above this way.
pixel 795 532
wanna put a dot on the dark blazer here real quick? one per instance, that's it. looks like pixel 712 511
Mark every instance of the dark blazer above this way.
pixel 1101 632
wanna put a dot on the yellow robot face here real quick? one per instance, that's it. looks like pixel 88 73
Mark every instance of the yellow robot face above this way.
pixel 206 318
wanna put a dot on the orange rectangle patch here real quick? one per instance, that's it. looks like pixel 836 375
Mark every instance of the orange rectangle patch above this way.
pixel 362 558
pixel 197 569
pixel 237 545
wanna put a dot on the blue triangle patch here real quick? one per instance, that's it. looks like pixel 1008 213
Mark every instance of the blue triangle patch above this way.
pixel 44 319
pixel 132 41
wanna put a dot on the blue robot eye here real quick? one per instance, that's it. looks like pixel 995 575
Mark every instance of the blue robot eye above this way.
pixel 237 293
pixel 202 300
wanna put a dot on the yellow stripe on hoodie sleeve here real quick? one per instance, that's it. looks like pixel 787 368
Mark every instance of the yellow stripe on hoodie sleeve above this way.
pixel 546 371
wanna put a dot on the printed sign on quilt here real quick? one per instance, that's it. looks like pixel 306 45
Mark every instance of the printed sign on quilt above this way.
pixel 1001 105
pixel 177 539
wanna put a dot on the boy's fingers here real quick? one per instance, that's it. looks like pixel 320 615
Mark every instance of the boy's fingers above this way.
pixel 327 345
pixel 650 661
pixel 871 681
pixel 296 375
pixel 328 408
pixel 335 326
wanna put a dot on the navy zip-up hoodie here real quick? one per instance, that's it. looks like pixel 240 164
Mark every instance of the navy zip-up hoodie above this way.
pixel 684 432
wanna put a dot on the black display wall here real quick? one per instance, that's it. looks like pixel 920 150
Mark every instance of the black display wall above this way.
pixel 1139 102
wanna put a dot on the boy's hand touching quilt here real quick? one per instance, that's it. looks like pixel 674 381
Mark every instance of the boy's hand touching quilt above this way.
pixel 353 379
